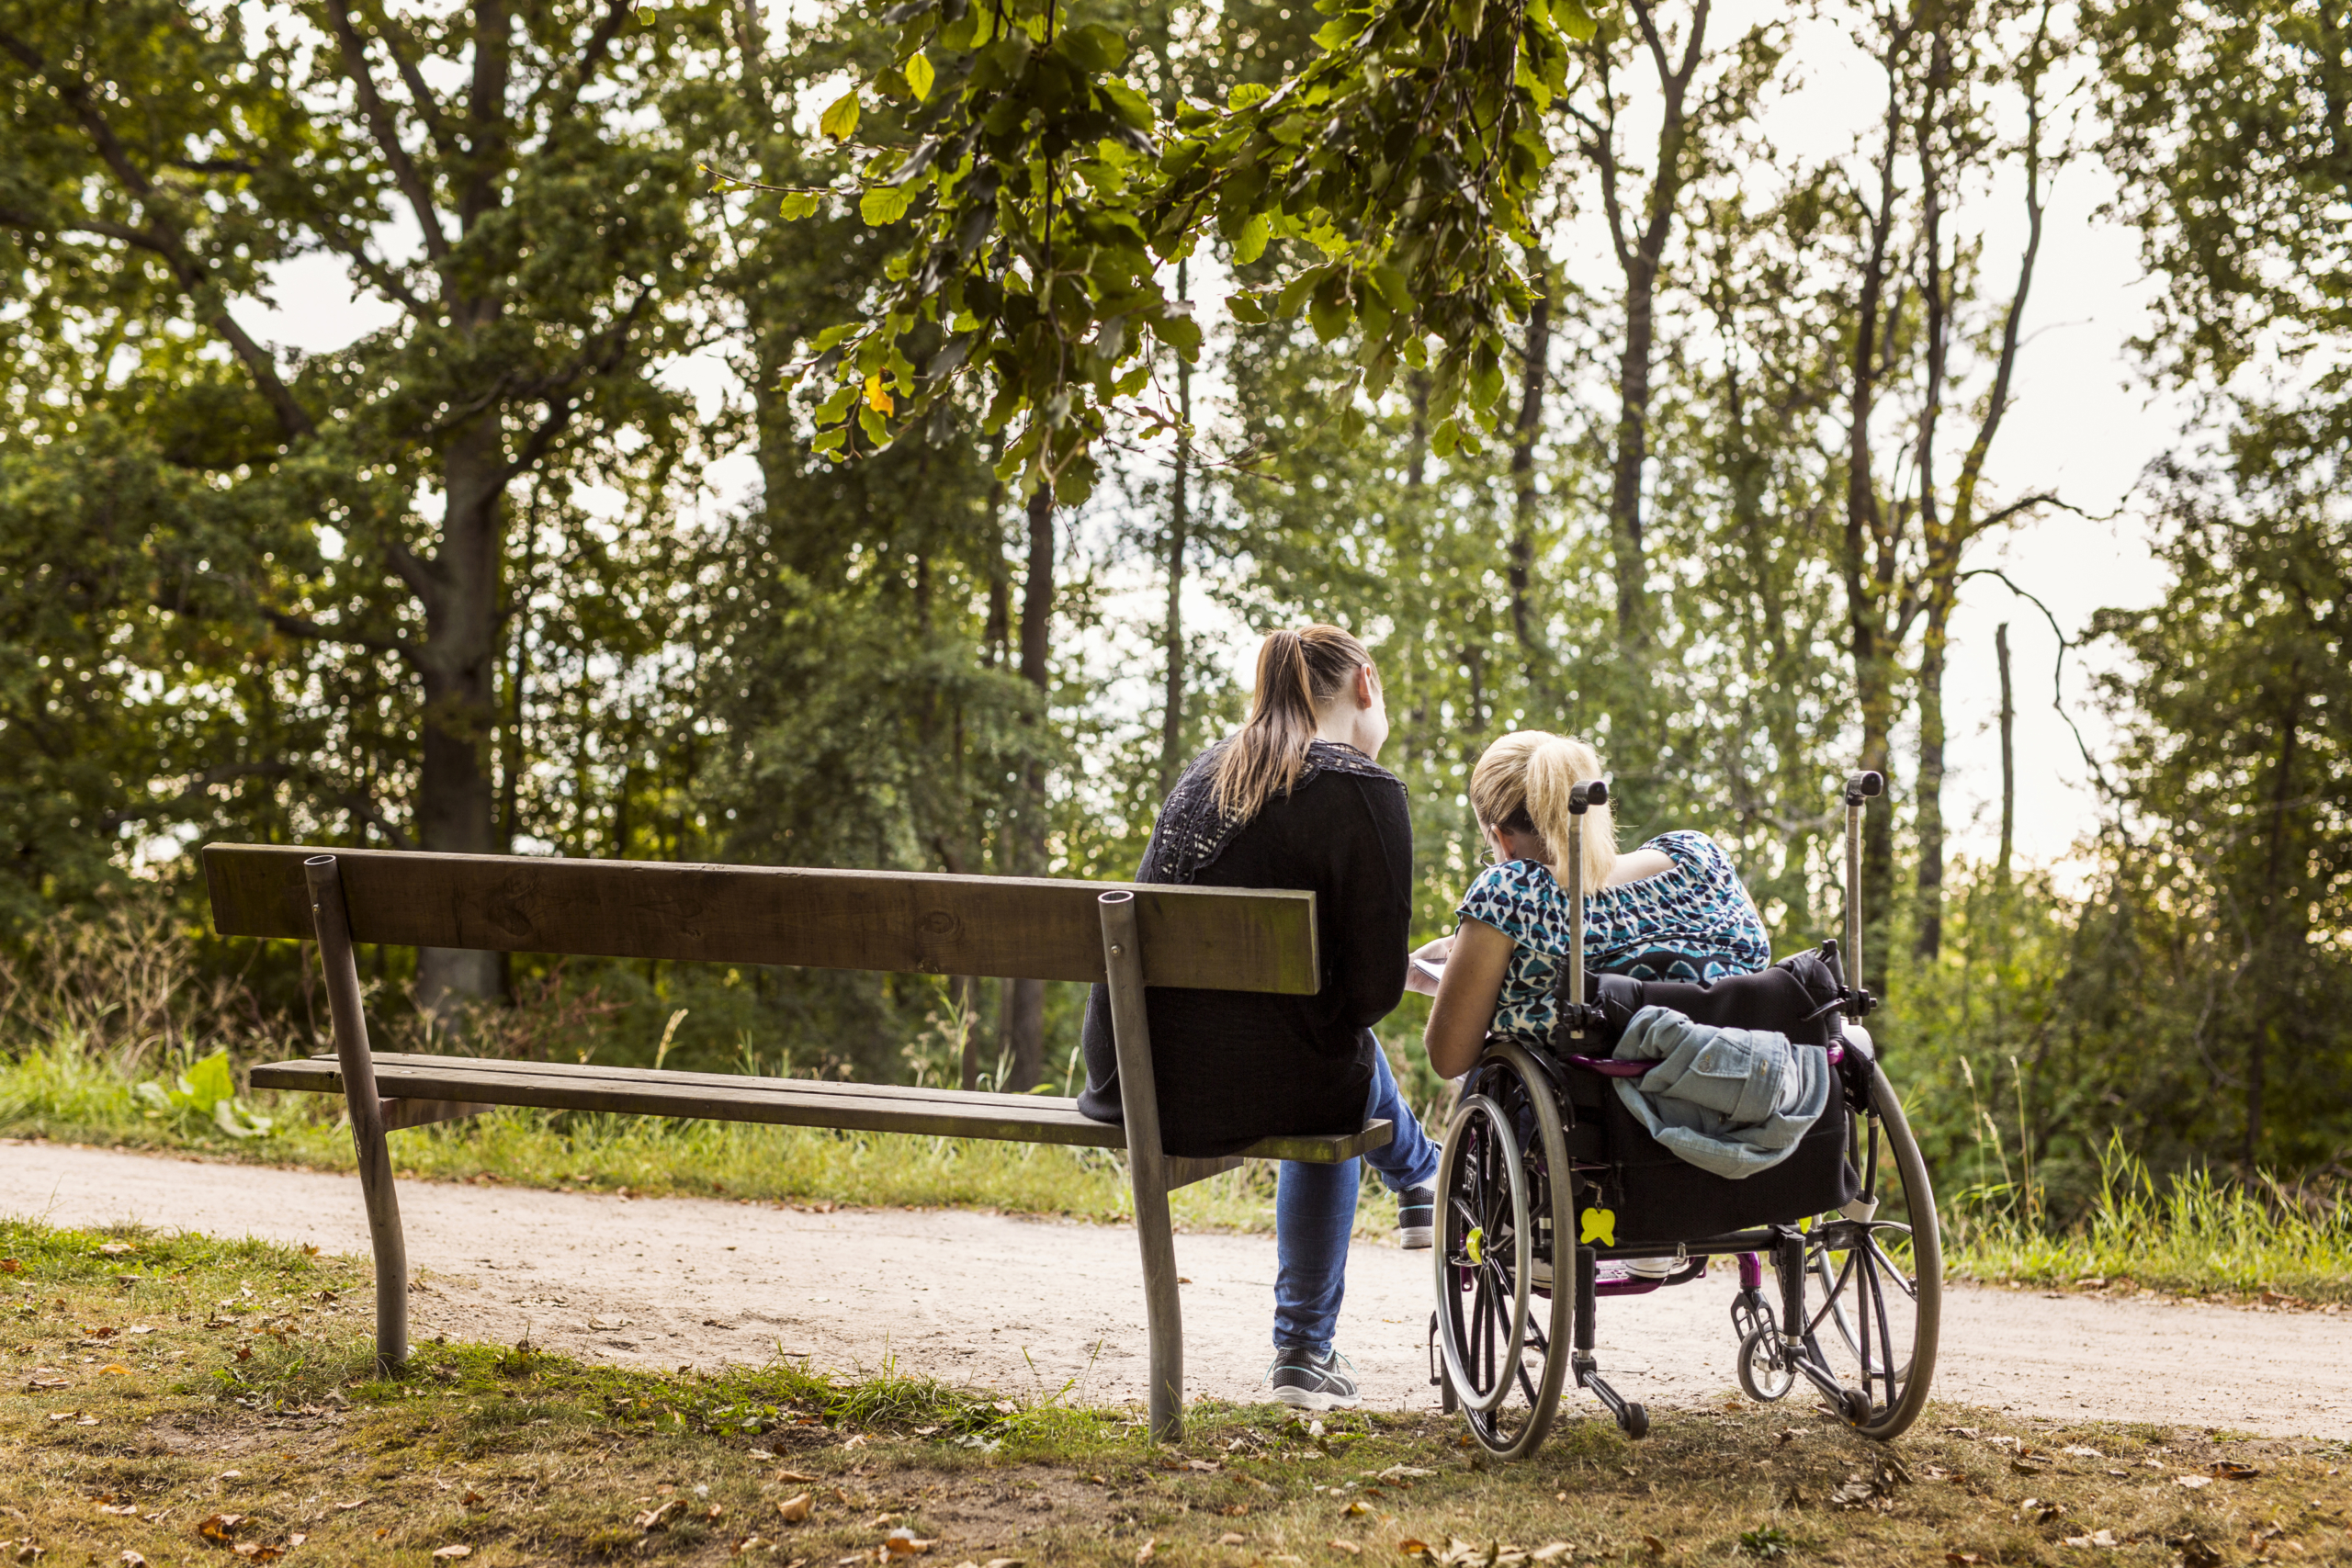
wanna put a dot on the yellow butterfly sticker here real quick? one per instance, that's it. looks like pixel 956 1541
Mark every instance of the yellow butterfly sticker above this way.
pixel 1600 1227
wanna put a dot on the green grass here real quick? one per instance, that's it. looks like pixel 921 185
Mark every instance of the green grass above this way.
pixel 2201 1235
pixel 2197 1235
pixel 182 1400
pixel 69 1097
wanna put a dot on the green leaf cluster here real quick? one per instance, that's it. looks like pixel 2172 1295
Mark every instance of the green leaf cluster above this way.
pixel 1044 190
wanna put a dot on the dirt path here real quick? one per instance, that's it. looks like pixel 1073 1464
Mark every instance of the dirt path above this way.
pixel 1029 1305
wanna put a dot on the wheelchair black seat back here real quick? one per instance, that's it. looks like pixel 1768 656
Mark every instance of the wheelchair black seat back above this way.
pixel 1554 1195
pixel 1653 1194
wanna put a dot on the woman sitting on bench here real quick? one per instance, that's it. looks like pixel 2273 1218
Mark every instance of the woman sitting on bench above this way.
pixel 1294 800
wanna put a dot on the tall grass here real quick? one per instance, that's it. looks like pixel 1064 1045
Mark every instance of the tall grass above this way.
pixel 90 1013
pixel 73 1061
pixel 2194 1232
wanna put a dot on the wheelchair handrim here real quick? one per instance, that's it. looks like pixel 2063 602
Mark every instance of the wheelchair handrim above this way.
pixel 1480 1107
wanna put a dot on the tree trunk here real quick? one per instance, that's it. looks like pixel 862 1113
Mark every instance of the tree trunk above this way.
pixel 2008 760
pixel 1639 258
pixel 1928 939
pixel 1534 371
pixel 1172 714
pixel 1866 561
pixel 2272 986
pixel 1024 1001
pixel 456 803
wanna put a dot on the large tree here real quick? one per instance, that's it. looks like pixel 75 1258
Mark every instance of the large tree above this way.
pixel 517 182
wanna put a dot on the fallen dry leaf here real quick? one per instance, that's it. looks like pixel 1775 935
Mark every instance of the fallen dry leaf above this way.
pixel 123 1508
pixel 116 1248
pixel 257 1551
pixel 2225 1471
pixel 1232 1538
pixel 1656 1547
pixel 1547 1551
pixel 904 1543
pixel 114 1369
pixel 2194 1481
pixel 451 1553
pixel 658 1519
pixel 795 1509
pixel 1147 1550
pixel 472 1500
pixel 793 1475
pixel 1963 1558
pixel 219 1527
pixel 297 1538
pixel 1351 1548
pixel 131 1560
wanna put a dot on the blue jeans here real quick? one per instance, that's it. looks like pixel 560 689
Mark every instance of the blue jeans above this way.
pixel 1314 1213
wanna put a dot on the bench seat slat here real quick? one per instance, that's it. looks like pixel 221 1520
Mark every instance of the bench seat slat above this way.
pixel 796 1103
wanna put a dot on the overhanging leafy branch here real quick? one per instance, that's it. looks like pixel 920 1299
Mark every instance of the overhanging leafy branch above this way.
pixel 1044 195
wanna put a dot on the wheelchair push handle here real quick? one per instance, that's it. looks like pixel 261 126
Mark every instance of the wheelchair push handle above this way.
pixel 1860 787
pixel 1584 796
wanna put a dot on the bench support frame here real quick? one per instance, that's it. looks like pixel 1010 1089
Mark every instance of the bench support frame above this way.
pixel 368 1119
pixel 1147 1165
pixel 1153 1173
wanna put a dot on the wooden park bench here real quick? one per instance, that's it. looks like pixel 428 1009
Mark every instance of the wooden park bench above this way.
pixel 1127 936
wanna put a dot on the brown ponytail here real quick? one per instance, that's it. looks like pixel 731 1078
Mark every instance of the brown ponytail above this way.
pixel 1298 675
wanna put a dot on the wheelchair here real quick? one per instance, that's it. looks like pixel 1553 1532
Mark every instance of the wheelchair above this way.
pixel 1548 1186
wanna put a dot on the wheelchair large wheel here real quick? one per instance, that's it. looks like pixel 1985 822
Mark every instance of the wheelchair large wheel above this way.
pixel 1875 1275
pixel 1504 1309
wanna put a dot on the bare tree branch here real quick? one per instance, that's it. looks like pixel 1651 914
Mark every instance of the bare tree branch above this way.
pixel 381 126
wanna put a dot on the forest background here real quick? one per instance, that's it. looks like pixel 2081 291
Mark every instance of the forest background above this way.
pixel 465 584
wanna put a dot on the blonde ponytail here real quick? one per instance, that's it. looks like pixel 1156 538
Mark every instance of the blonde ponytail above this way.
pixel 1298 675
pixel 1521 784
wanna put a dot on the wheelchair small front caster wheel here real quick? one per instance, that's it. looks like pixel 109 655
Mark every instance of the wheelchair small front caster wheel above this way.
pixel 1857 1404
pixel 1635 1421
pixel 1764 1370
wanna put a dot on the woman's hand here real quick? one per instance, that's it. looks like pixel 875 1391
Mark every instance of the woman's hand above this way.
pixel 1476 961
pixel 1434 954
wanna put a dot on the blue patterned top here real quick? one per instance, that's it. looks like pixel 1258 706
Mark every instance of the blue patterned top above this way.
pixel 1693 922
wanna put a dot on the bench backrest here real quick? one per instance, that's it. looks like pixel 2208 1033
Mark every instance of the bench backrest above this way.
pixel 1017 928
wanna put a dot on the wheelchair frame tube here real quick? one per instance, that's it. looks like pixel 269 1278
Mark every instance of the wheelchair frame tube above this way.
pixel 1860 789
pixel 1575 917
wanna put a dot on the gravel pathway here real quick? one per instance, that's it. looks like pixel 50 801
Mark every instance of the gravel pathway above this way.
pixel 1030 1307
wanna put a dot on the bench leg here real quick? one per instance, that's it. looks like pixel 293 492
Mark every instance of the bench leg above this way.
pixel 1164 1311
pixel 1146 1164
pixel 332 920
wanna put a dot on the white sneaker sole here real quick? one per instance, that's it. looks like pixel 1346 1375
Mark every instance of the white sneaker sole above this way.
pixel 1417 1239
pixel 1305 1399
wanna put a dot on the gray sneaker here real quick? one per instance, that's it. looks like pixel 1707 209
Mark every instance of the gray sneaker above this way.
pixel 1305 1381
pixel 1417 1219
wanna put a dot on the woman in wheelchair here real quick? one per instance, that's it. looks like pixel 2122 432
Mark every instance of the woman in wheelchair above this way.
pixel 1673 910
pixel 1658 1095
pixel 1294 800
